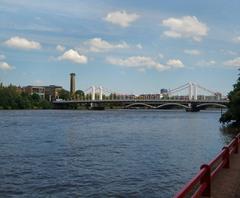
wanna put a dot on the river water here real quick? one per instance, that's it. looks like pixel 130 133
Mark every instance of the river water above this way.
pixel 120 153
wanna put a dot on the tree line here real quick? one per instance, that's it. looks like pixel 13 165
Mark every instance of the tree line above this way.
pixel 12 98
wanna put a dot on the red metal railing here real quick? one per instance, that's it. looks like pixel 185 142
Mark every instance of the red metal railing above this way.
pixel 200 185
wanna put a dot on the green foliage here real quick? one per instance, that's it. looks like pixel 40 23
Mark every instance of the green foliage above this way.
pixel 44 104
pixel 233 112
pixel 23 102
pixel 113 96
pixel 226 117
pixel 64 94
pixel 79 94
pixel 35 97
pixel 12 98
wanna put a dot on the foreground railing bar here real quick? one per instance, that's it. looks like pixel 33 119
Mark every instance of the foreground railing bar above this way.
pixel 231 151
pixel 200 191
pixel 191 183
pixel 232 145
pixel 208 171
pixel 217 169
pixel 218 157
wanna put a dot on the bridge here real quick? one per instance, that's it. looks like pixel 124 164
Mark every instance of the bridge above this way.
pixel 190 96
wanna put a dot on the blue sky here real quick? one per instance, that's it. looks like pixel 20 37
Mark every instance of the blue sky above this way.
pixel 137 46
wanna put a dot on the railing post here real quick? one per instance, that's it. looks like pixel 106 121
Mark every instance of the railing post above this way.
pixel 206 179
pixel 236 144
pixel 226 157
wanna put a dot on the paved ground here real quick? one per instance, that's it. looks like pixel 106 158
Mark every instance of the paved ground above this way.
pixel 226 184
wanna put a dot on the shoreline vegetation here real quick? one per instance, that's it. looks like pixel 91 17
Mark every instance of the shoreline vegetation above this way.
pixel 231 118
pixel 12 98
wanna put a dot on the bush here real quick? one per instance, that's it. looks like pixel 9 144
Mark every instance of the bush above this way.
pixel 233 113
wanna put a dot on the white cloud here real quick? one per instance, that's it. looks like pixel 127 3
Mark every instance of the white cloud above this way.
pixel 137 62
pixel 211 62
pixel 100 45
pixel 74 56
pixel 2 57
pixel 237 39
pixel 192 52
pixel 139 46
pixel 206 63
pixel 121 18
pixel 160 55
pixel 144 62
pixel 22 43
pixel 38 82
pixel 228 52
pixel 233 63
pixel 60 48
pixel 185 27
pixel 142 70
pixel 5 66
pixel 172 34
pixel 176 63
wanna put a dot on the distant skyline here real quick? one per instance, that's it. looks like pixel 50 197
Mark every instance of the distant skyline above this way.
pixel 137 46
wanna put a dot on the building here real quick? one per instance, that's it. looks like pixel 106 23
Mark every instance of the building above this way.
pixel 164 93
pixel 149 96
pixel 218 96
pixel 39 90
pixel 19 89
pixel 52 92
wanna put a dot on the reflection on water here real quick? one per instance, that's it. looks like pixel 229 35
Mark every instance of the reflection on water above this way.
pixel 229 133
pixel 138 153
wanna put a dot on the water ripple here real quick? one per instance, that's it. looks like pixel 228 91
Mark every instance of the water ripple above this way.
pixel 103 154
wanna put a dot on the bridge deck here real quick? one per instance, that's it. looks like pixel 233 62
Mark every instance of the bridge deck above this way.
pixel 142 101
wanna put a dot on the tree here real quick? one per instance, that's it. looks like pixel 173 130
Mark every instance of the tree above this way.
pixel 23 102
pixel 44 104
pixel 35 97
pixel 233 112
pixel 79 94
pixel 64 94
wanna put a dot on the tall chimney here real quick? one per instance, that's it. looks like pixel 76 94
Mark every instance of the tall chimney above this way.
pixel 72 83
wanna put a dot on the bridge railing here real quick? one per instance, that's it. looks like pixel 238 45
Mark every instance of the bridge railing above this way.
pixel 200 184
pixel 139 99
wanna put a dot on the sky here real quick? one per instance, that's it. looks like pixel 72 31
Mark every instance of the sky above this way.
pixel 137 46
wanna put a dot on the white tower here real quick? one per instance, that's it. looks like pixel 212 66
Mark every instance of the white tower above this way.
pixel 100 93
pixel 190 92
pixel 93 92
pixel 195 91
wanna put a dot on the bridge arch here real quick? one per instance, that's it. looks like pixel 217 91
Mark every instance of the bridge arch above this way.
pixel 211 104
pixel 173 104
pixel 140 104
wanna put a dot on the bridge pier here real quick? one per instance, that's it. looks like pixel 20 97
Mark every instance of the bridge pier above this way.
pixel 192 108
pixel 96 106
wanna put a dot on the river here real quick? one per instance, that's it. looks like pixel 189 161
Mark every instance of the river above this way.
pixel 118 153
